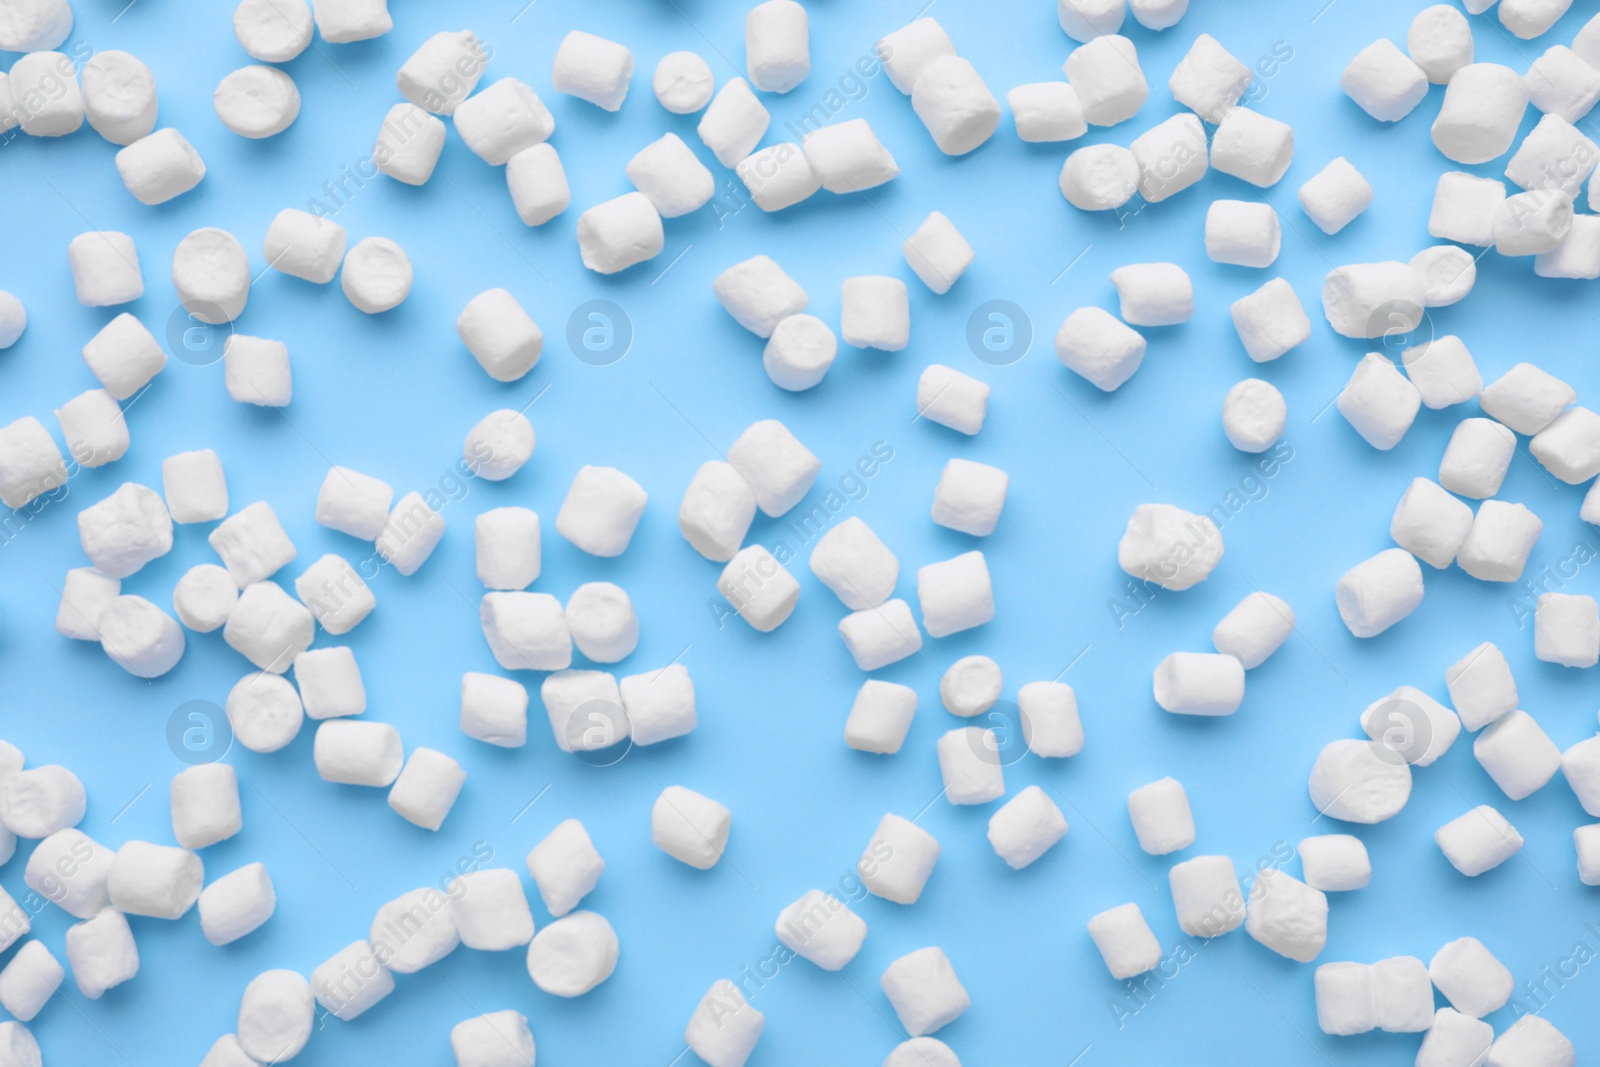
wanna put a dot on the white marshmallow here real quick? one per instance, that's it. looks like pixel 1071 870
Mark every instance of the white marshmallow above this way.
pixel 45 84
pixel 1243 233
pixel 139 637
pixel 951 99
pixel 1209 80
pixel 1344 999
pixel 970 686
pixel 538 184
pixel 1047 111
pixel 330 683
pixel 501 336
pixel 1531 1041
pixel 777 45
pixel 345 21
pixel 592 68
pixel 725 1027
pixel 411 534
pixel 264 712
pixel 1287 916
pixel 126 530
pixel 1478 841
pixel 1254 415
pixel 924 990
pixel 1464 208
pixel 1379 402
pixel 501 121
pixel 955 594
pixel 154 880
pixel 256 371
pixel 1359 781
pixel 1094 345
pixel 105 269
pixel 1206 896
pixel 276 1016
pixel 69 869
pixel 508 549
pixel 1587 42
pixel 778 176
pixel 304 245
pixel 1454 1040
pixel 160 166
pixel 351 981
pixel 601 510
pixel 257 101
pixel 848 157
pixel 875 312
pixel 1527 224
pixel 1567 630
pixel 1379 592
pixel 659 705
pixel 1430 523
pixel 427 788
pixel 94 428
pixel 1384 81
pixel 1125 941
pixel 1335 195
pixel 799 352
pixel 1154 294
pixel 734 124
pixel 1161 817
pixel 353 752
pixel 526 631
pixel 36 803
pixel 565 866
pixel 1158 14
pixel 1393 995
pixel 1530 18
pixel 1569 447
pixel 1481 686
pixel 668 172
pixel 1049 716
pixel 618 233
pixel 494 710
pixel 273 31
pixel 1440 42
pixel 759 295
pixel 898 860
pixel 689 827
pixel 29 981
pixel 1255 629
pixel 194 486
pixel 1526 398
pixel 1110 86
pixel 1199 683
pixel 205 805
pixel 821 928
pixel 1084 20
pixel 29 25
pixel 1517 754
pixel 1100 177
pixel 1554 155
pixel 498 445
pixel 1174 548
pixel 778 468
pixel 442 73
pixel 1576 256
pixel 937 252
pixel 682 82
pixel 951 398
pixel 1026 827
pixel 880 717
pixel 1412 725
pixel 880 635
pixel 1500 541
pixel 376 276
pixel 212 275
pixel 84 594
pixel 268 627
pixel 1335 862
pixel 490 910
pixel 1253 147
pixel 353 503
pixel 408 145
pixel 855 564
pixel 908 50
pixel 717 510
pixel 969 497
pixel 1483 106
pixel 1580 765
pixel 1586 840
pixel 1270 321
pixel 1470 977
pixel 124 356
pixel 969 762
pixel 1561 83
pixel 602 622
pixel 1447 274
pixel 102 954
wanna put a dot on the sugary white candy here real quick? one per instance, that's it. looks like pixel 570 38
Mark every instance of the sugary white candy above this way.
pixel 937 252
pixel 1094 344
pixel 1440 42
pixel 538 184
pixel 778 468
pixel 36 803
pixel 1481 686
pixel 353 752
pixel 670 174
pixel 494 710
pixel 13 320
pixel 1174 548
pixel 1335 195
pixel 1470 977
pixel 1345 999
pixel 1478 841
pixel 1531 1041
pixel 268 627
pixel 777 45
pixel 951 398
pixel 376 276
pixel 501 336
pixel 1587 42
pixel 1567 630
pixel 304 245
pixel 955 594
pixel 1359 781
pixel 212 275
pixel 1254 415
pixel 490 910
pixel 1569 447
pixel 29 25
pixel 682 82
pixel 526 631
pixel 969 497
pixel 154 880
pixel 880 635
pixel 618 233
pixel 1464 208
pixel 1527 224
pixel 1100 177
pixel 1517 753
pixel 1447 272
pixel 1161 817
pixel 898 860
pixel 601 510
pixel 1253 147
pixel 1430 523
pixel 159 167
pixel 352 980
pixel 953 102
pixel 1384 81
pixel 1398 991
pixel 689 827
pixel 1050 723
pixel 276 1016
pixel 908 50
pixel 1379 592
pixel 734 124
pixel 84 594
pixel 1454 1040
pixel 1158 14
pixel 257 101
pixel 1084 20
pixel 345 21
pixel 503 120
pixel 924 990
pixel 1125 941
pixel 821 928
pixel 353 503
pixel 1412 725
pixel 1255 629
pixel 273 31
pixel 29 981
pixel 1530 18
pixel 105 269
pixel 847 157
pixel 498 445
pixel 725 1027
pixel 1482 109
pixel 659 705
pixel 1026 827
pixel 1526 398
pixel 1199 683
pixel 1578 254
pixel 1270 321
pixel 759 295
pixel 1209 80
pixel 256 371
pixel 69 869
pixel 411 534
pixel 970 686
pixel 1561 83
pixel 497 1039
pixel 970 765
pixel 102 954
pixel 880 717
pixel 195 488
pixel 205 805
pixel 427 788
pixel 236 904
pixel 46 86
pixel 124 356
pixel 264 712
pixel 592 68
pixel 443 71
pixel 94 428
pixel 1154 294
pixel 508 550
pixel 1287 916
pixel 139 637
pixel 1500 541
pixel 875 312
pixel 799 352
pixel 1242 232
pixel 1206 896
pixel 602 622
pixel 1047 111
pixel 1335 862
pixel 1110 86
pixel 1555 155
pixel 717 510
pixel 1580 764
pixel 778 176
pixel 126 530
pixel 1379 402
pixel 565 866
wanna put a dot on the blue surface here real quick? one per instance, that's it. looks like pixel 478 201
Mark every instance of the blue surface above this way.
pixel 394 395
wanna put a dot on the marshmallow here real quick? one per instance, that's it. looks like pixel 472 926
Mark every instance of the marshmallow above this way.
pixel 799 352
pixel 1125 941
pixel 443 71
pixel 1500 541
pixel 1581 766
pixel 682 82
pixel 154 880
pixel 1287 916
pixel 1154 294
pixel 330 683
pixel 1392 995
pixel 1526 398
pixel 1049 715
pixel 1100 177
pixel 427 788
pixel 408 145
pixel 94 429
pixel 880 717
pixel 257 371
pixel 212 275
pixel 970 686
pixel 1026 827
pixel 1481 686
pixel 778 468
pixel 572 955
pixel 724 1028
pixel 1517 754
pixel 1531 1041
pixel 304 245
pixel 668 172
pixel 501 336
pixel 659 705
pixel 508 552
pixel 264 712
pixel 1047 111
pixel 1586 840
pixel 194 486
pixel 875 312
pixel 1440 42
pixel 898 860
pixel 1454 1040
pixel 1094 345
pixel 269 628
pixel 937 252
pixel 759 295
pixel 717 510
pixel 46 86
pixel 257 101
pixel 1084 20
pixel 1335 195
pixel 1587 42
pixel 1206 896
pixel 205 805
pixel 924 990
pixel 1530 18
pixel 1411 725
pixel 36 803
pixel 501 121
pixel 689 827
pixel 29 25
pixel 1161 817
pixel 601 510
pixel 1464 208
pixel 411 534
pixel 1270 321
pixel 1384 81
pixel 126 530
pixel 1253 147
pixel 777 45
pixel 276 1016
pixel 159 167
pixel 497 1039
pixel 1335 862
pixel 1199 683
pixel 565 866
pixel 602 622
pixel 970 765
pixel 1430 523
pixel 352 752
pixel 1561 83
pixel 105 269
pixel 1359 781
pixel 592 68
pixel 526 631
pixel 1567 630
pixel 376 276
pixel 1527 224
pixel 1209 80
pixel 1174 548
pixel 734 124
pixel 858 567
pixel 1469 976
pixel 273 31
pixel 969 497
pixel 1478 841
pixel 955 594
pixel 906 52
pixel 139 637
pixel 1379 402
pixel 69 869
pixel 1243 233
pixel 953 399
pixel 1554 155
pixel 951 99
pixel 102 954
pixel 538 184
pixel 584 709
pixel 1483 106
pixel 84 594
pixel 619 233
pixel 1255 629
pixel 236 904
pixel 124 356
pixel 1379 592
pixel 1569 447
pixel 29 980
pixel 494 710
pixel 490 910
pixel 13 320
pixel 353 503
pixel 1105 73
pixel 1158 14
pixel 821 928
pixel 778 176
pixel 878 636
pixel 848 157
pixel 1578 254
pixel 352 980
pixel 1447 274
pixel 345 21
pixel 1254 415
pixel 498 445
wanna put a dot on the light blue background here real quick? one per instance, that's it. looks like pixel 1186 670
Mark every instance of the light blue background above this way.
pixel 394 395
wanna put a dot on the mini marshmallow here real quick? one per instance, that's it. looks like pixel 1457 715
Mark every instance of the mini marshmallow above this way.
pixel 1243 233
pixel 1379 592
pixel 101 953
pixel 1526 398
pixel 1411 725
pixel 1430 523
pixel 352 980
pixel 252 544
pixel 139 637
pixel 1481 686
pixel 1384 81
pixel 36 803
pixel 1199 683
pixel 906 52
pixel 501 121
pixel 427 788
pixel 1478 841
pixel 1094 345
pixel 1561 83
pixel 734 124
pixel 1528 19
pixel 159 167
pixel 1586 840
pixel 304 245
pixel 1209 80
pixel 1255 629
pixel 1287 916
pixel 602 622
pixel 778 176
pixel 777 45
pixel 953 102
pixel 1440 42
pixel 880 635
pixel 501 336
pixel 498 445
pixel 659 705
pixel 1500 541
pixel 1531 1041
pixel 1393 995
pixel 526 631
pixel 1026 827
pixel 584 709
pixel 898 860
pixel 1254 415
pixel 953 399
pixel 970 765
pixel 875 312
pixel 759 295
pixel 538 184
pixel 1447 274
pixel 105 269
pixel 937 252
pixel 1567 630
pixel 194 486
pixel 346 21
pixel 821 928
pixel 257 101
pixel 689 827
pixel 601 510
pixel 1587 42
pixel 592 68
pixel 508 550
pixel 1125 941
pixel 1110 86
pixel 442 73
pixel 46 83
pixel 205 805
pixel 1174 548
pixel 1470 977
pixel 256 371
pixel 1047 111
pixel 1206 896
pixel 494 710
pixel 496 1039
pixel 880 717
pixel 924 990
pixel 1578 254
pixel 858 567
pixel 276 1016
pixel 1161 817
pixel 273 31
pixel 264 712
pixel 94 429
pixel 411 534
pixel 1527 224
pixel 30 25
pixel 376 276
pixel 84 594
pixel 490 910
pixel 848 157
pixel 1359 781
pixel 1270 321
pixel 1464 208
pixel 669 173
pixel 353 752
pixel 717 510
pixel 1049 716
pixel 682 82
pixel 353 503
pixel 1335 195
pixel 1252 147
pixel 154 880
pixel 124 356
pixel 618 233
pixel 1379 402
pixel 236 904
pixel 1454 1040
pixel 1335 862
pixel 1569 447
pixel 565 867
pixel 969 497
pixel 1084 20
pixel 1554 155
pixel 1580 764
pixel 1516 753
pixel 29 980
pixel 211 273
pixel 799 352
pixel 1154 294
pixel 955 594
pixel 1100 177
pixel 1158 14
pixel 69 869
pixel 777 467
pixel 725 1027
pixel 1483 106
pixel 970 686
